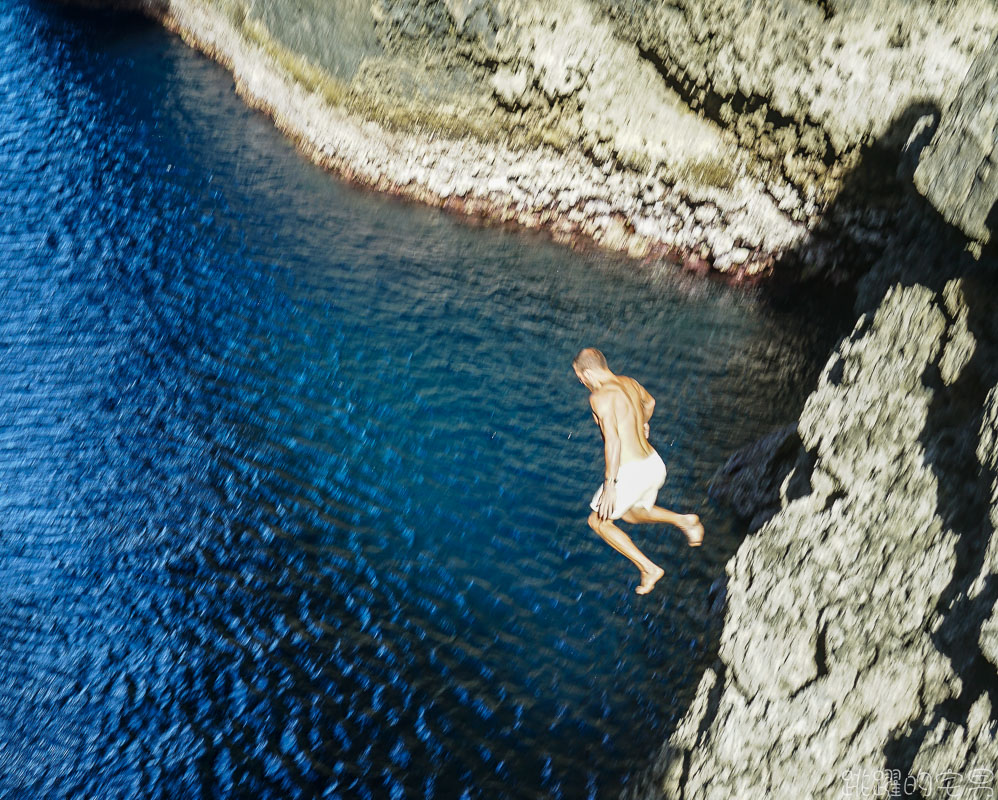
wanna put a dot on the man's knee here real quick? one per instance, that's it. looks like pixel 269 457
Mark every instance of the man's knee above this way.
pixel 594 521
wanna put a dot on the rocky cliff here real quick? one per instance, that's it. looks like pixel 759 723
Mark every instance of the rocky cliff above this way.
pixel 859 651
pixel 747 137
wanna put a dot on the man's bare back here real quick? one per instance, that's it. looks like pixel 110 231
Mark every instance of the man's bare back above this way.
pixel 634 472
pixel 631 407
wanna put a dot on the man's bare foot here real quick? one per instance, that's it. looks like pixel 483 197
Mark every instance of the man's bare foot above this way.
pixel 649 579
pixel 693 530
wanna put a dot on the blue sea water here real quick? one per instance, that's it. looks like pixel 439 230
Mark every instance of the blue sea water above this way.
pixel 294 477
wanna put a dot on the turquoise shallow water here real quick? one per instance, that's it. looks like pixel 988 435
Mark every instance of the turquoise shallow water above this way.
pixel 293 477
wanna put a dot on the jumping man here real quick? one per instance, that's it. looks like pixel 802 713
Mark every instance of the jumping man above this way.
pixel 634 471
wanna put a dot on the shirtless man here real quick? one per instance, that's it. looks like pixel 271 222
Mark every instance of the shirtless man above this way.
pixel 634 471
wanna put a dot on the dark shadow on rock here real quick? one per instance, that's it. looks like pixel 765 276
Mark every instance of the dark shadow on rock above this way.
pixel 751 480
pixel 880 188
pixel 863 222
pixel 991 223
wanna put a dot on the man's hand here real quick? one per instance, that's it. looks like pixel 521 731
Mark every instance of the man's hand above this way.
pixel 607 500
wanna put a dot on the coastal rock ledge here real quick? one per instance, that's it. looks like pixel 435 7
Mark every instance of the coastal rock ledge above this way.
pixel 748 138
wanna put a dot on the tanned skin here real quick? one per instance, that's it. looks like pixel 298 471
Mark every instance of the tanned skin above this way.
pixel 622 408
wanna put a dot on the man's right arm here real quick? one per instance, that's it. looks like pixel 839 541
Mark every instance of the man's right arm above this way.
pixel 648 408
pixel 647 404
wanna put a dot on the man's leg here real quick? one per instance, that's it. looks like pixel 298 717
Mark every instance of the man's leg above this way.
pixel 621 542
pixel 687 523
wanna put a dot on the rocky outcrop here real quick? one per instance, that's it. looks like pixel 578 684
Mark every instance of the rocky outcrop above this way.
pixel 720 133
pixel 858 654
pixel 806 84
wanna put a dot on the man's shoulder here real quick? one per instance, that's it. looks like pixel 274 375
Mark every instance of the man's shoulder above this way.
pixel 608 392
pixel 626 384
pixel 633 384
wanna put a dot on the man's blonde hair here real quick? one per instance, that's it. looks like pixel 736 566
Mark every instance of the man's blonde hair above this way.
pixel 589 358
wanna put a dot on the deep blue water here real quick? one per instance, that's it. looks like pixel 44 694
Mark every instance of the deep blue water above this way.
pixel 293 477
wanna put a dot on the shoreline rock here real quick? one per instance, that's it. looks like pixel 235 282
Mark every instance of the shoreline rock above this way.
pixel 573 199
pixel 572 117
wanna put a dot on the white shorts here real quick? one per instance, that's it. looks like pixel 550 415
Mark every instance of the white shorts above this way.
pixel 638 483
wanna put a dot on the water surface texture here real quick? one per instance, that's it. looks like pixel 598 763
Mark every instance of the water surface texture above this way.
pixel 293 477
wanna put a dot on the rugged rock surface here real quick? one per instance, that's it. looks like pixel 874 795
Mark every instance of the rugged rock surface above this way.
pixel 718 132
pixel 807 83
pixel 859 649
